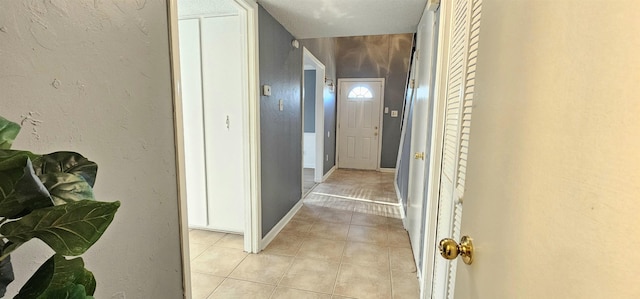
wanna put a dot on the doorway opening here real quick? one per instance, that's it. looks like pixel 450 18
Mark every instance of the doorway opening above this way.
pixel 312 121
pixel 214 68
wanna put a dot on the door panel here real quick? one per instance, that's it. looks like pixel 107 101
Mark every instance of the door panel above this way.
pixel 359 126
pixel 553 181
pixel 420 137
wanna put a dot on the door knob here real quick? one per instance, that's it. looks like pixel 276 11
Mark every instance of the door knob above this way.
pixel 449 249
pixel 419 156
pixel 375 133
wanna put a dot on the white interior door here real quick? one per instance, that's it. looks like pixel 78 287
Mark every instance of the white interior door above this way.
pixel 462 32
pixel 214 121
pixel 359 124
pixel 420 136
pixel 553 182
pixel 224 121
pixel 190 72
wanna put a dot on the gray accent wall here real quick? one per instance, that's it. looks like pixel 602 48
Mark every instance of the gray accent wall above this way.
pixel 309 101
pixel 96 79
pixel 280 131
pixel 324 49
pixel 380 56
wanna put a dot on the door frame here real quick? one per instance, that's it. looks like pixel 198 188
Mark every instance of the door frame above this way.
pixel 253 230
pixel 430 252
pixel 339 100
pixel 308 57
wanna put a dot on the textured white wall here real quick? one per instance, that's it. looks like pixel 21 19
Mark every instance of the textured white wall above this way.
pixel 96 77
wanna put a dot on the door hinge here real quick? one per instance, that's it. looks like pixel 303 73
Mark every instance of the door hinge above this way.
pixel 413 83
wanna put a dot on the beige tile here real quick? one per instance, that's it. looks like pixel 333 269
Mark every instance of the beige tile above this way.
pixel 333 231
pixel 262 268
pixel 298 227
pixel 322 249
pixel 335 216
pixel 405 285
pixel 340 297
pixel 369 220
pixel 368 234
pixel 195 249
pixel 204 236
pixel 285 244
pixel 395 223
pixel 402 259
pixel 311 275
pixel 218 261
pixel 366 254
pixel 231 241
pixel 233 289
pixel 399 238
pixel 363 282
pixel 287 293
pixel 202 285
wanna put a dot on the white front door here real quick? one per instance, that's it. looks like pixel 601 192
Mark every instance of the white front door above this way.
pixel 359 123
pixel 553 184
pixel 420 137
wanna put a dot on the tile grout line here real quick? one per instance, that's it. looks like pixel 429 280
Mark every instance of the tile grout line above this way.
pixel 344 249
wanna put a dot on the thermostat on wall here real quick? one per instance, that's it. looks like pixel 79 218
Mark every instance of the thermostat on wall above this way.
pixel 266 90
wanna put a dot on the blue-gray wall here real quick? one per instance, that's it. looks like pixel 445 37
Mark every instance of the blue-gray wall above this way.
pixel 324 49
pixel 280 131
pixel 380 56
pixel 309 101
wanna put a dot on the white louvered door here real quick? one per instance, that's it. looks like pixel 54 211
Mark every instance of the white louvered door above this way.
pixel 458 101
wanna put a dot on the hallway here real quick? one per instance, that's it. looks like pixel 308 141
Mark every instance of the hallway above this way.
pixel 324 252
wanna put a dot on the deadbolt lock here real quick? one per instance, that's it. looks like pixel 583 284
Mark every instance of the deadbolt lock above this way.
pixel 419 156
pixel 449 249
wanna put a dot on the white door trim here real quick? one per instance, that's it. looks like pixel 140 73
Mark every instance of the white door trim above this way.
pixel 435 161
pixel 253 233
pixel 319 123
pixel 381 116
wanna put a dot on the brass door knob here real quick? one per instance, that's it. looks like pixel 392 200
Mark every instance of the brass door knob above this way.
pixel 449 249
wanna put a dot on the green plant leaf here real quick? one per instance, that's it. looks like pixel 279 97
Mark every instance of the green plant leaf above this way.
pixel 21 190
pixel 68 229
pixel 68 162
pixel 8 132
pixel 66 187
pixel 59 278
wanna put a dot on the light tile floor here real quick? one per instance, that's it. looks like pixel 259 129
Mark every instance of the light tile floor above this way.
pixel 323 252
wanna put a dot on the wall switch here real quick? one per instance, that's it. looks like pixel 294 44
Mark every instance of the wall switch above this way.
pixel 328 134
pixel 281 104
pixel 394 113
pixel 266 90
pixel 386 110
pixel 327 158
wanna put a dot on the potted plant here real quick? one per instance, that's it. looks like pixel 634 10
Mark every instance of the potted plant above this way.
pixel 49 197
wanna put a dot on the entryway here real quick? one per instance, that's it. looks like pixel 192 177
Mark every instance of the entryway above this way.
pixel 312 121
pixel 360 123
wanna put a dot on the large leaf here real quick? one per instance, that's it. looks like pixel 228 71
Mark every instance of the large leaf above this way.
pixel 21 190
pixel 59 278
pixel 68 229
pixel 6 275
pixel 66 187
pixel 8 132
pixel 68 162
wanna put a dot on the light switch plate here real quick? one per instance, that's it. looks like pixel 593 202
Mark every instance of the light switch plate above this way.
pixel 281 104
pixel 394 113
pixel 266 90
pixel 386 110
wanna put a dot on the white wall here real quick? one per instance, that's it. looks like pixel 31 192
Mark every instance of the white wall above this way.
pixel 553 172
pixel 97 77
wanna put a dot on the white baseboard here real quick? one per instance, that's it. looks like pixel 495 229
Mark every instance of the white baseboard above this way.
pixel 326 176
pixel 281 224
pixel 393 170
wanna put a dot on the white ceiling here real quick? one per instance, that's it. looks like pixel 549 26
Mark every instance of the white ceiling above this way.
pixel 332 18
